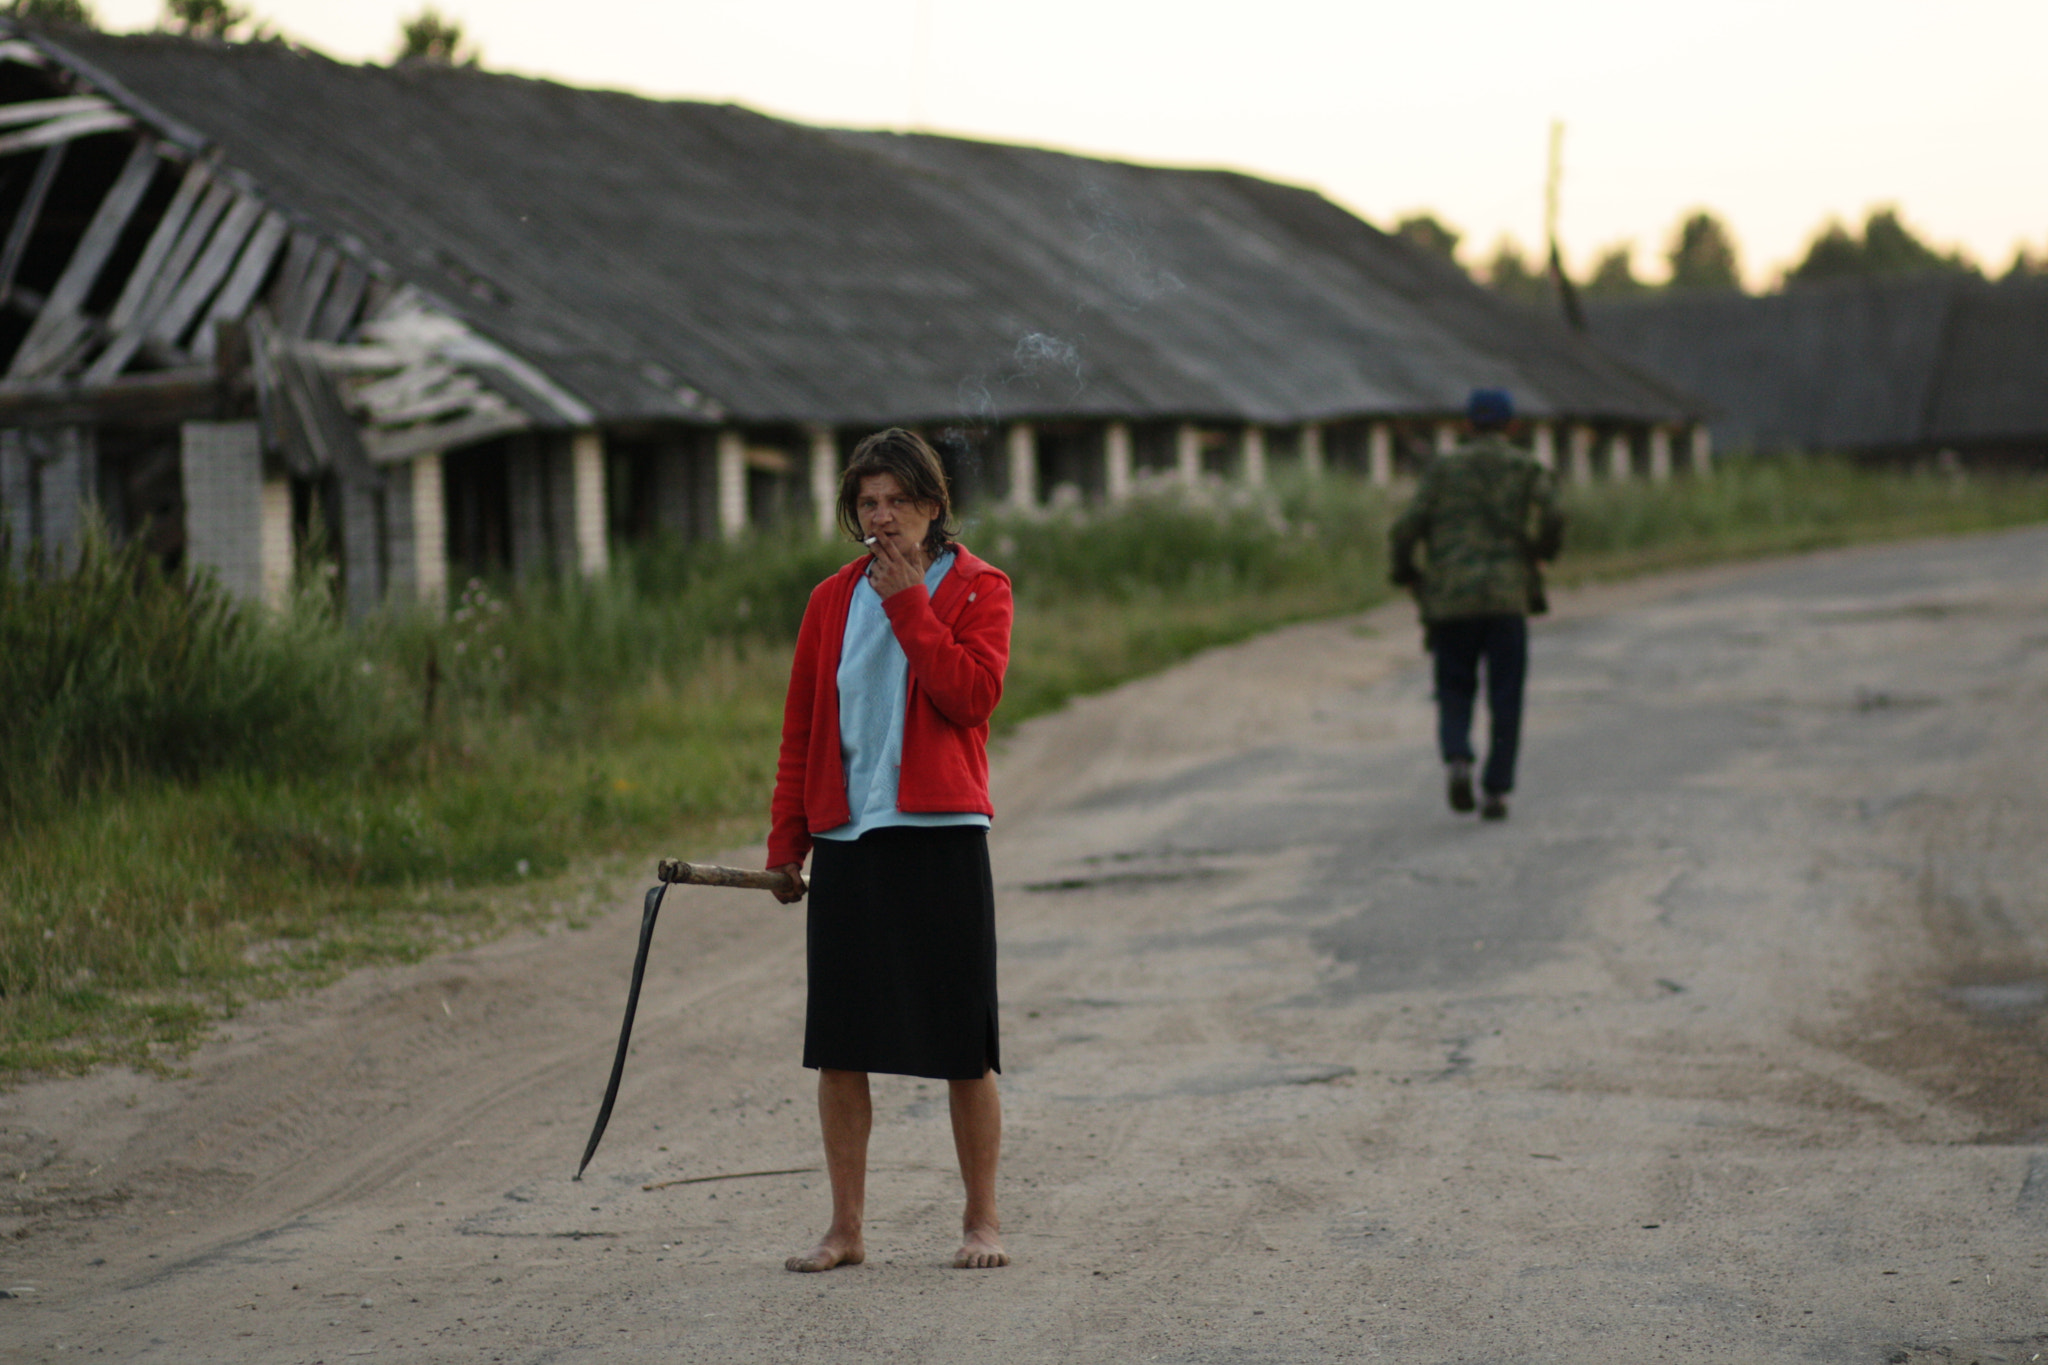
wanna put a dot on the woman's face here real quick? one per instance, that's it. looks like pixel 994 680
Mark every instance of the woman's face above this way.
pixel 886 510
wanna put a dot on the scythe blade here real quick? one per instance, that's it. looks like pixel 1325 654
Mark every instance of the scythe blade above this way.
pixel 611 1089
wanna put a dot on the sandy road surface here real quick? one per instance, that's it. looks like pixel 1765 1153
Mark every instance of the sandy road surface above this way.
pixel 1730 1045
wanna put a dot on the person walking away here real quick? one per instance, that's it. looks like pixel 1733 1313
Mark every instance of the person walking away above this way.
pixel 883 780
pixel 1485 518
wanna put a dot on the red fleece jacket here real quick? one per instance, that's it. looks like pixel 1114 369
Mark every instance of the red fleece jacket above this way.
pixel 958 645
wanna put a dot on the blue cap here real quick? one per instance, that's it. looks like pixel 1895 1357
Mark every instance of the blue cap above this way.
pixel 1490 407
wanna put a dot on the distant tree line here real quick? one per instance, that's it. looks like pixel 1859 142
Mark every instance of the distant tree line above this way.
pixel 428 36
pixel 1702 255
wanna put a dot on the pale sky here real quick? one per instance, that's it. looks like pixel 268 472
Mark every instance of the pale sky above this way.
pixel 1777 114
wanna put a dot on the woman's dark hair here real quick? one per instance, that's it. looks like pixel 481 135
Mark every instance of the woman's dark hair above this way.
pixel 916 466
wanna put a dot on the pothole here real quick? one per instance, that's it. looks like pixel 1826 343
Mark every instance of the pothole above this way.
pixel 2009 1002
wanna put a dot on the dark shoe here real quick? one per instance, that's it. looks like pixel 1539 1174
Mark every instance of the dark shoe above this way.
pixel 1460 785
pixel 1495 807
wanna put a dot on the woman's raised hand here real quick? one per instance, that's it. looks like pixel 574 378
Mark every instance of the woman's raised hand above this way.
pixel 897 566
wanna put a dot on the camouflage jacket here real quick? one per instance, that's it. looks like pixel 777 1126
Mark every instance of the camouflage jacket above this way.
pixel 1482 515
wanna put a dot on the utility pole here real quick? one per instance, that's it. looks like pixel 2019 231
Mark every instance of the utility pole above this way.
pixel 1552 185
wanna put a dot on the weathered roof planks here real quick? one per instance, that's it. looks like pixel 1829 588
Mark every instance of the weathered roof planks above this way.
pixel 627 260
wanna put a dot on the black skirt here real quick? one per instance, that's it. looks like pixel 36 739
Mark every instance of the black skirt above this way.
pixel 902 945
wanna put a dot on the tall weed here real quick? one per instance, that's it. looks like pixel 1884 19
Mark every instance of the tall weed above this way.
pixel 116 673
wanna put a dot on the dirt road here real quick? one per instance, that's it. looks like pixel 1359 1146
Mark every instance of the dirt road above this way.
pixel 1729 1045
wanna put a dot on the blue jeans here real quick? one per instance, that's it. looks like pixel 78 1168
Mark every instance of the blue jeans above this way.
pixel 1503 643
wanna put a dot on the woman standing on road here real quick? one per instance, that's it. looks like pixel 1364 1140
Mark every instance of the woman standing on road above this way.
pixel 884 765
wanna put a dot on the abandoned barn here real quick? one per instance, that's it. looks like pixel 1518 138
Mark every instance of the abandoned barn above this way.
pixel 463 321
pixel 1884 369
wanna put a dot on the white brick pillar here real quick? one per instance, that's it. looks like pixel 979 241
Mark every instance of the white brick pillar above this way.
pixel 221 466
pixel 1021 444
pixel 1702 449
pixel 593 550
pixel 1187 453
pixel 824 480
pixel 429 532
pixel 1116 461
pixel 1446 437
pixel 1544 445
pixel 274 542
pixel 1312 457
pixel 732 484
pixel 1660 454
pixel 1379 454
pixel 1620 457
pixel 1251 455
pixel 1582 454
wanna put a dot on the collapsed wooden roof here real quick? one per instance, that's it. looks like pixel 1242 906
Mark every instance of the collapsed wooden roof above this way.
pixel 581 256
pixel 1903 364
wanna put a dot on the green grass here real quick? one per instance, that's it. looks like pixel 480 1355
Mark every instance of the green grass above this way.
pixel 1108 597
pixel 118 672
pixel 1755 507
pixel 240 884
pixel 201 804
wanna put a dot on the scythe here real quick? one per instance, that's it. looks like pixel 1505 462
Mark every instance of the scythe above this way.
pixel 669 870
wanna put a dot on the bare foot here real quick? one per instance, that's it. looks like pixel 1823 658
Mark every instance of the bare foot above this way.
pixel 832 1251
pixel 979 1250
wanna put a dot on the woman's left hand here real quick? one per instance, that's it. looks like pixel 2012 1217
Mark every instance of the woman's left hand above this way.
pixel 896 566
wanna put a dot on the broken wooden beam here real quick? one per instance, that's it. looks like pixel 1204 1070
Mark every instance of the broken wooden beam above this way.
pixel 299 303
pixel 299 253
pixel 407 443
pixel 191 394
pixel 32 358
pixel 338 310
pixel 161 240
pixel 209 271
pixel 35 111
pixel 317 422
pixel 232 303
pixel 26 216
pixel 61 130
pixel 198 230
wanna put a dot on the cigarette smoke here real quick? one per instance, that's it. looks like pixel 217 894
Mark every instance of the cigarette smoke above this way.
pixel 1119 247
pixel 1040 354
pixel 1119 272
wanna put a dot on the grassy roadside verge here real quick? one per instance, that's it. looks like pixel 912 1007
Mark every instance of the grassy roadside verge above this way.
pixel 200 806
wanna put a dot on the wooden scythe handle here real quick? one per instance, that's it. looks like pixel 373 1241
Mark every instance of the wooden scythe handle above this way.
pixel 711 874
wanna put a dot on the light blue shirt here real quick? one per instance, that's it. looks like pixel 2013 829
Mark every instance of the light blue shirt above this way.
pixel 874 693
